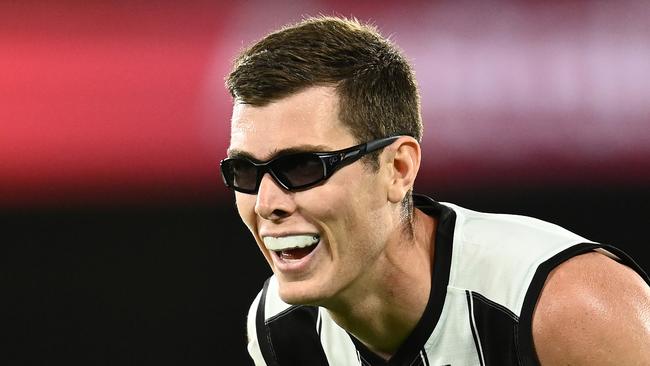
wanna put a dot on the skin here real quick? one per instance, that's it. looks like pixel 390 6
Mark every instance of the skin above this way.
pixel 374 280
pixel 593 311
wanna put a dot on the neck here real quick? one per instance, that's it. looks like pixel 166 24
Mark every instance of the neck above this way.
pixel 384 310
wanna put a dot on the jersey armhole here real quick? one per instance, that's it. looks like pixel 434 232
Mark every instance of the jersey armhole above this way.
pixel 525 346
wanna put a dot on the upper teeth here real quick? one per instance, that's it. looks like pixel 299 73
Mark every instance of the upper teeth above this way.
pixel 290 242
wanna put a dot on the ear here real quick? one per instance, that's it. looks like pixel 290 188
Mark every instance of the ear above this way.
pixel 403 164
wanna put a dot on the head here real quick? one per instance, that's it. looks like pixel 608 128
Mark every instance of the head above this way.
pixel 326 84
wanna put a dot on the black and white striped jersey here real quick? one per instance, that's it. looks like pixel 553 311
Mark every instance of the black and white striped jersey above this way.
pixel 489 270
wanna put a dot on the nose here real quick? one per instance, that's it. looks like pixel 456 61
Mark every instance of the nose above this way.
pixel 273 202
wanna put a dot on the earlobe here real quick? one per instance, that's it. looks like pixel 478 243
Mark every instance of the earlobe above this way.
pixel 404 164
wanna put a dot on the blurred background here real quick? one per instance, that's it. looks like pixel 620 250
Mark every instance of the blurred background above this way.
pixel 121 246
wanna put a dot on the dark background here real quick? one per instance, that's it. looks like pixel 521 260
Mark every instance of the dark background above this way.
pixel 119 244
pixel 171 284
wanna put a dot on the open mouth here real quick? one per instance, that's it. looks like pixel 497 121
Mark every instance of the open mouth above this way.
pixel 293 247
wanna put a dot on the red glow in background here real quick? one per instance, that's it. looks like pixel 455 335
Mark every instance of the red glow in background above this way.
pixel 121 102
pixel 121 246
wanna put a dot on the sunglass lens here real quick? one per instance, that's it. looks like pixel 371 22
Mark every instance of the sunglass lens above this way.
pixel 241 174
pixel 300 169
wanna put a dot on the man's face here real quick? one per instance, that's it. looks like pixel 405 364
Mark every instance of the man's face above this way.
pixel 342 220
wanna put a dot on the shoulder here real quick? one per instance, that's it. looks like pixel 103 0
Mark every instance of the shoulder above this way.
pixel 499 255
pixel 593 310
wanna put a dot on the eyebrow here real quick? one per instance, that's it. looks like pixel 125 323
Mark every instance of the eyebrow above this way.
pixel 241 154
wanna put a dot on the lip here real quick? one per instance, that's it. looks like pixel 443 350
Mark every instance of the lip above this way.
pixel 286 233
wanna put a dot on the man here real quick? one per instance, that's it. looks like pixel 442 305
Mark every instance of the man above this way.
pixel 323 155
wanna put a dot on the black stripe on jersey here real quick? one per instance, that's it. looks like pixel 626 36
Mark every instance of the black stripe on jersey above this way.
pixel 497 306
pixel 418 361
pixel 494 328
pixel 263 334
pixel 525 339
pixel 278 335
pixel 295 338
pixel 425 359
pixel 472 323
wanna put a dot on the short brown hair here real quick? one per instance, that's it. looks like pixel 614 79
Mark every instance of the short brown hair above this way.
pixel 378 95
pixel 376 85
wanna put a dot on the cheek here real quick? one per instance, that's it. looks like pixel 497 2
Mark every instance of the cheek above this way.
pixel 348 208
pixel 246 209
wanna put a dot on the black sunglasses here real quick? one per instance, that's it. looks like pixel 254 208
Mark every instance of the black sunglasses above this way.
pixel 294 171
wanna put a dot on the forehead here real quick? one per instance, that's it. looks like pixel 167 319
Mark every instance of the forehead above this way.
pixel 306 118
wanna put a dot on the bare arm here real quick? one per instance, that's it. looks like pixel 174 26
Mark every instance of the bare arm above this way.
pixel 593 311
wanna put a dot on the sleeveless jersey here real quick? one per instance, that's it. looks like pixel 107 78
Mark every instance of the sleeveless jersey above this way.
pixel 488 273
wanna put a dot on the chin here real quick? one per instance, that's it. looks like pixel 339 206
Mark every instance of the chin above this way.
pixel 300 293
